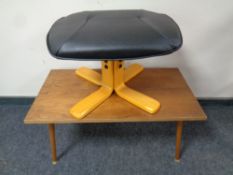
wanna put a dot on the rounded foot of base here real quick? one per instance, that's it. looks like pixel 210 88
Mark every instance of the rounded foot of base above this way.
pixel 177 160
pixel 54 162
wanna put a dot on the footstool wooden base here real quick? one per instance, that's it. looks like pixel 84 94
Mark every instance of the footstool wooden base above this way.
pixel 112 79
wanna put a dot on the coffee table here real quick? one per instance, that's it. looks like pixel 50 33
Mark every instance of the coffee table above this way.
pixel 62 89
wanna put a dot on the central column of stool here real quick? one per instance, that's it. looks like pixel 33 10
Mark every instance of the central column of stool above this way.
pixel 113 79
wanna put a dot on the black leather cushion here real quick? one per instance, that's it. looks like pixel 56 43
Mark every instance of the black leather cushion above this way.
pixel 120 34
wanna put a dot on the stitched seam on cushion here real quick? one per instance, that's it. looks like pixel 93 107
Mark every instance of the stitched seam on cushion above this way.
pixel 76 31
pixel 156 30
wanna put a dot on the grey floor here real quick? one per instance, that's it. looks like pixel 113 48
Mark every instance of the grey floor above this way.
pixel 117 149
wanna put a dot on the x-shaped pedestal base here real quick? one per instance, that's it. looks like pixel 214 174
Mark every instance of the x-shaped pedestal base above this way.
pixel 113 78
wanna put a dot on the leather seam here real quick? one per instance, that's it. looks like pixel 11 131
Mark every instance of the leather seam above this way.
pixel 76 31
pixel 156 30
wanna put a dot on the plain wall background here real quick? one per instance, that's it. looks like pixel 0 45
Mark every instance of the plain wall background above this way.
pixel 206 58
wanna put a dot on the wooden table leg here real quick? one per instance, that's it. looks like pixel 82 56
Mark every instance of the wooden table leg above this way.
pixel 52 142
pixel 179 128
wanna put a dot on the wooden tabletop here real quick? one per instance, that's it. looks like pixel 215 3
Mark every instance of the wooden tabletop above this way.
pixel 62 89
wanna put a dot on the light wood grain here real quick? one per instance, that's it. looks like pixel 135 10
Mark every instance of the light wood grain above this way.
pixel 62 89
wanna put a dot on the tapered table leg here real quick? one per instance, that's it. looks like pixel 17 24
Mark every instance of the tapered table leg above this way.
pixel 179 128
pixel 53 143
